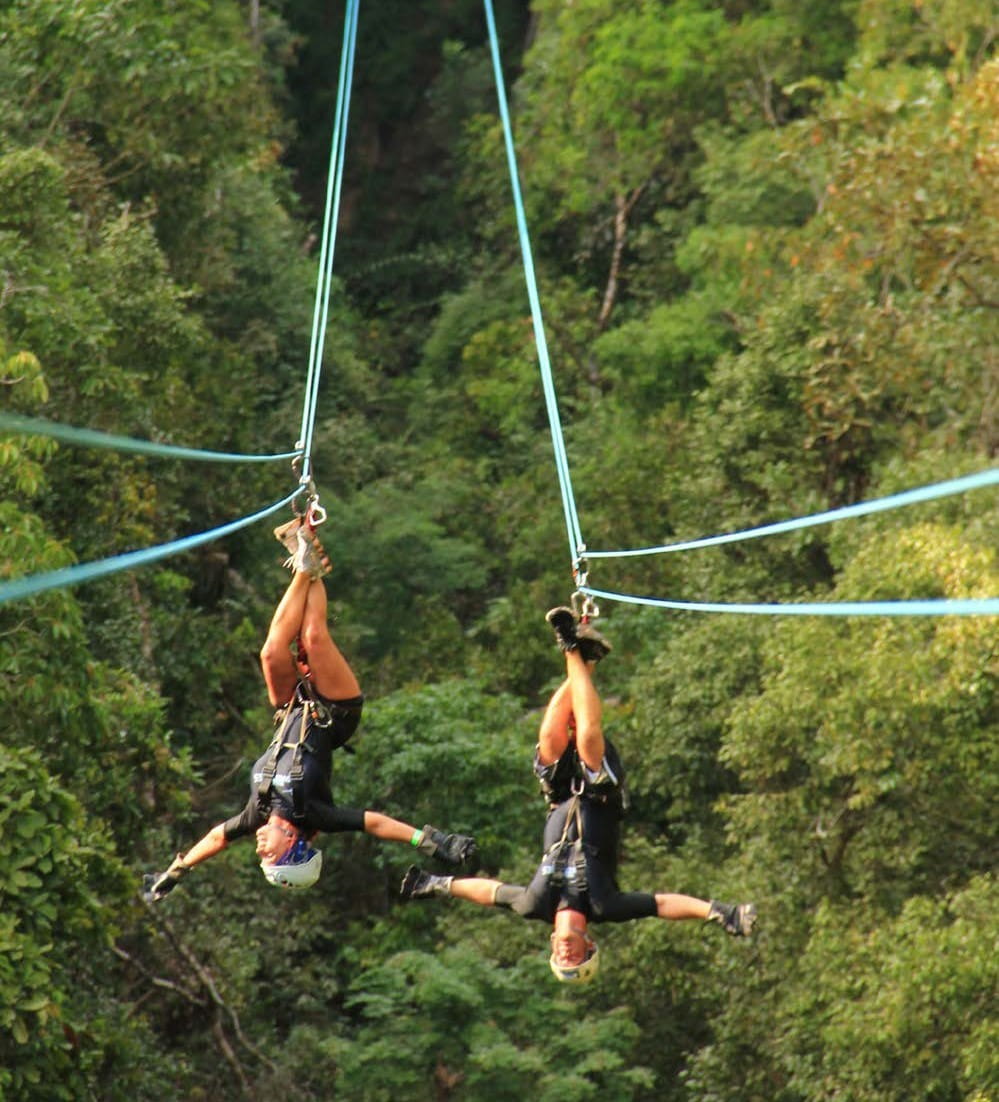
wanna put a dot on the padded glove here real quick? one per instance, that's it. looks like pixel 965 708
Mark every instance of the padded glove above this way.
pixel 453 849
pixel 737 919
pixel 156 885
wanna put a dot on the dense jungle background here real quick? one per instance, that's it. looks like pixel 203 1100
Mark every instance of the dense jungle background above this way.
pixel 765 234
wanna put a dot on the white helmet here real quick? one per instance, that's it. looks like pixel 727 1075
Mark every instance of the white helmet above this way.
pixel 579 973
pixel 299 868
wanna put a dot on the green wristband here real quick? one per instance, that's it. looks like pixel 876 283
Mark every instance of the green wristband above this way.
pixel 417 838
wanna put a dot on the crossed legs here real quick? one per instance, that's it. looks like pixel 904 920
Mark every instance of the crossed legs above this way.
pixel 301 618
pixel 574 702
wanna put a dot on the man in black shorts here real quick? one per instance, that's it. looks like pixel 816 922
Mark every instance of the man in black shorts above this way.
pixel 319 704
pixel 583 781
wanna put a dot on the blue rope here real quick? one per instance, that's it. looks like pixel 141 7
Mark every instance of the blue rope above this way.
pixel 334 184
pixel 73 575
pixel 32 426
pixel 577 548
pixel 893 501
pixel 576 545
pixel 88 437
pixel 981 606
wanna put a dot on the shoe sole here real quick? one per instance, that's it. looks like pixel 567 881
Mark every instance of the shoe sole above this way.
pixel 318 553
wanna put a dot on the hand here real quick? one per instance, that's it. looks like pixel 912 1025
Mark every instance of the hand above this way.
pixel 453 849
pixel 156 885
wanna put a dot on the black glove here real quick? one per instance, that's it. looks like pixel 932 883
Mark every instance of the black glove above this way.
pixel 453 849
pixel 157 885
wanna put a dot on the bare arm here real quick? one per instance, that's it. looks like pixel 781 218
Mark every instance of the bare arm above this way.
pixel 387 828
pixel 213 842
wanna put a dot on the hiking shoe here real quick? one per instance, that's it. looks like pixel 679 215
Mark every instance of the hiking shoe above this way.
pixel 738 919
pixel 592 645
pixel 417 884
pixel 564 625
pixel 287 534
pixel 310 557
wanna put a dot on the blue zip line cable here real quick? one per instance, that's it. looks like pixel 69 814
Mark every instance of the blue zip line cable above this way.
pixel 328 245
pixel 972 606
pixel 33 426
pixel 893 501
pixel 576 545
pixel 73 575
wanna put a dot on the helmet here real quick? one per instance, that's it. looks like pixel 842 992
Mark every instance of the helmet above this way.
pixel 578 973
pixel 298 868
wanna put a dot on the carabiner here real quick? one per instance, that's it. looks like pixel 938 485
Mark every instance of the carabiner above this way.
pixel 584 607
pixel 316 514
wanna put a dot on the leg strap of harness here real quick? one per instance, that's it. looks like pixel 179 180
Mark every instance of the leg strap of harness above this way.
pixel 276 746
pixel 565 853
pixel 314 712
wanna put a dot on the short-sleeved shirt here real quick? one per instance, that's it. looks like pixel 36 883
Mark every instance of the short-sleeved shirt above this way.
pixel 600 806
pixel 318 811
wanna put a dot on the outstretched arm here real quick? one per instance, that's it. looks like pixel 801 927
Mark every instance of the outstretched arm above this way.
pixel 389 829
pixel 213 842
pixel 155 886
pixel 454 849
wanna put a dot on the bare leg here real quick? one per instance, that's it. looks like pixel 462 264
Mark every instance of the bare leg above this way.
pixel 331 672
pixel 672 906
pixel 276 661
pixel 476 889
pixel 586 710
pixel 553 737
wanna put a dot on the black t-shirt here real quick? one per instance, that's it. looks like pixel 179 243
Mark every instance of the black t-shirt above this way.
pixel 601 900
pixel 316 798
pixel 600 807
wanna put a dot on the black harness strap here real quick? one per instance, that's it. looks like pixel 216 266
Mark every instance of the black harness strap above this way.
pixel 313 713
pixel 565 860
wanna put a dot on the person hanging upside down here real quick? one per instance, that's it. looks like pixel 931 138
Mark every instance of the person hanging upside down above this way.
pixel 319 704
pixel 583 780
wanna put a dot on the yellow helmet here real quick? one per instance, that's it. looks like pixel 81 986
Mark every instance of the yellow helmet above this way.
pixel 585 972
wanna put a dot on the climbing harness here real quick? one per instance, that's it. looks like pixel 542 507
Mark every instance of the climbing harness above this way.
pixel 314 713
pixel 564 862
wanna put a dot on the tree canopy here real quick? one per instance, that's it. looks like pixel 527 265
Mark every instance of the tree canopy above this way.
pixel 765 236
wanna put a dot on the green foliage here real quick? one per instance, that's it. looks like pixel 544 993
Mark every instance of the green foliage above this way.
pixel 454 1021
pixel 897 1008
pixel 61 891
pixel 682 701
pixel 765 238
pixel 427 752
pixel 855 775
pixel 666 356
